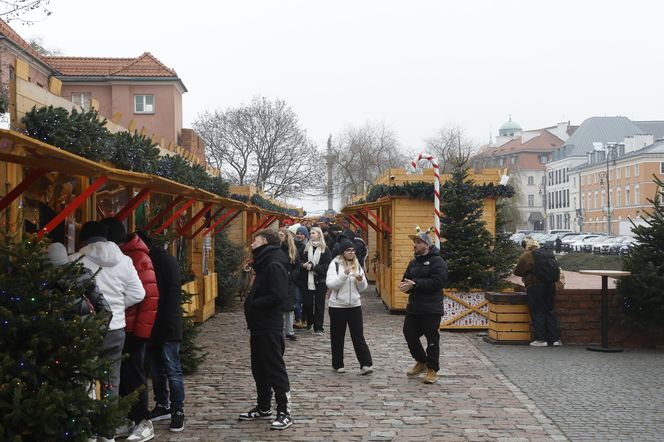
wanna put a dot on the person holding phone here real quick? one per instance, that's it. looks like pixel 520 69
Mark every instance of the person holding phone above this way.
pixel 346 280
pixel 424 280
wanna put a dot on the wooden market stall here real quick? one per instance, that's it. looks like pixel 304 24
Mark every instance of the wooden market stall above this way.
pixel 55 191
pixel 392 219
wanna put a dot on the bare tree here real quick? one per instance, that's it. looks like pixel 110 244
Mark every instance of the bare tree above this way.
pixel 26 11
pixel 362 154
pixel 448 142
pixel 261 143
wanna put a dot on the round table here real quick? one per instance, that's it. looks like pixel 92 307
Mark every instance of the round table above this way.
pixel 605 274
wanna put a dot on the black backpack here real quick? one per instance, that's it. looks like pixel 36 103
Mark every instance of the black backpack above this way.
pixel 546 267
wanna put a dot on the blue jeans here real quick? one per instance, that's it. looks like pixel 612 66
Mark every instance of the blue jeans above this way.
pixel 298 304
pixel 167 375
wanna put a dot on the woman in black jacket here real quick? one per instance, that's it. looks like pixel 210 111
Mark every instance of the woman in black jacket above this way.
pixel 289 249
pixel 314 263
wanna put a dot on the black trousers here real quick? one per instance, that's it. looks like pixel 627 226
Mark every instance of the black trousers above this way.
pixel 339 319
pixel 269 371
pixel 414 326
pixel 314 307
pixel 541 302
pixel 133 376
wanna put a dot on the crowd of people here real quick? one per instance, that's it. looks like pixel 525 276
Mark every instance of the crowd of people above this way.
pixel 295 269
pixel 139 283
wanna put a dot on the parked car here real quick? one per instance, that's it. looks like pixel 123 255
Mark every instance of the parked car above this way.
pixel 517 237
pixel 577 244
pixel 627 245
pixel 588 244
pixel 605 247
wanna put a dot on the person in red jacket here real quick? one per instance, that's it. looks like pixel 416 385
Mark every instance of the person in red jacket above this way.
pixel 140 319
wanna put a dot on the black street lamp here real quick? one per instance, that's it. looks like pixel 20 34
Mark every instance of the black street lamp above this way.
pixel 610 154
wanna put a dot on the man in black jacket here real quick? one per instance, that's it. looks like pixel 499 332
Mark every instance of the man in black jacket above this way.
pixel 424 279
pixel 262 309
pixel 166 338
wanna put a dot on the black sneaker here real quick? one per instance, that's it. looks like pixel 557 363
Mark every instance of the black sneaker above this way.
pixel 177 422
pixel 292 337
pixel 254 414
pixel 160 413
pixel 282 421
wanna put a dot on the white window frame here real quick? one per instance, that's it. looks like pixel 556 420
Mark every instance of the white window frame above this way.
pixel 618 197
pixel 531 200
pixel 618 172
pixel 627 171
pixel 627 199
pixel 637 195
pixel 144 104
pixel 661 168
pixel 531 180
pixel 636 169
pixel 82 99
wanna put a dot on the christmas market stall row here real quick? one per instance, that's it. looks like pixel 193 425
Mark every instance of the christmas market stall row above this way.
pixel 399 201
pixel 51 192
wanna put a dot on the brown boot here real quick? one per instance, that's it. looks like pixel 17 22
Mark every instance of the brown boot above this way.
pixel 430 377
pixel 420 367
pixel 298 325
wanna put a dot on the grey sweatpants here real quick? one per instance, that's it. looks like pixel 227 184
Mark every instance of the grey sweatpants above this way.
pixel 113 344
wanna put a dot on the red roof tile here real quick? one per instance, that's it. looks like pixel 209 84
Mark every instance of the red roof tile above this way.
pixel 146 65
pixel 11 35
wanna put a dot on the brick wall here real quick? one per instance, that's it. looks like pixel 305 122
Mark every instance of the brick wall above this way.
pixel 190 141
pixel 579 314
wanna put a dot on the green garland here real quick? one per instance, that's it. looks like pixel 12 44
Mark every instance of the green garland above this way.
pixel 261 202
pixel 424 191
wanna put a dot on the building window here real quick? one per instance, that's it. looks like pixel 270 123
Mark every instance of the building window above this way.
pixel 543 159
pixel 574 182
pixel 637 197
pixel 627 196
pixel 531 200
pixel 590 200
pixel 596 200
pixel 82 99
pixel 661 167
pixel 513 160
pixel 567 197
pixel 618 172
pixel 531 180
pixel 636 169
pixel 144 104
pixel 627 171
pixel 618 198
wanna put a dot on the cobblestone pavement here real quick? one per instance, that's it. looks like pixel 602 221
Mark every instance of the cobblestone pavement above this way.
pixel 472 400
pixel 589 395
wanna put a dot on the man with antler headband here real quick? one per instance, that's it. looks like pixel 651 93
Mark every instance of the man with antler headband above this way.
pixel 424 280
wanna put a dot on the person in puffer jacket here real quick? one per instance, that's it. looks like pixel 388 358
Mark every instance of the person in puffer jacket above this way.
pixel 118 281
pixel 346 279
pixel 424 280
pixel 140 320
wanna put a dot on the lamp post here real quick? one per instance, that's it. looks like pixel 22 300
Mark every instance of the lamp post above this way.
pixel 610 154
pixel 545 195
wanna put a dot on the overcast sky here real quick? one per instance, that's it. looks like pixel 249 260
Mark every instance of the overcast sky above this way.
pixel 417 66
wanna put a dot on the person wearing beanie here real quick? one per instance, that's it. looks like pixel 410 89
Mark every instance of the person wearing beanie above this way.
pixel 315 261
pixel 540 291
pixel 166 339
pixel 346 279
pixel 423 281
pixel 263 312
pixel 117 279
pixel 139 319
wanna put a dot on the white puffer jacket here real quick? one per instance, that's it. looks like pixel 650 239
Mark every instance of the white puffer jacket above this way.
pixel 345 288
pixel 117 279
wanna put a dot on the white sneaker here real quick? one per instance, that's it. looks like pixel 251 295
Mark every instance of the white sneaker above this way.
pixel 558 343
pixel 142 432
pixel 539 344
pixel 340 370
pixel 366 370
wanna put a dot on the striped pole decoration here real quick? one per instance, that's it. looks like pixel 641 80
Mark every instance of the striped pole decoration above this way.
pixel 436 191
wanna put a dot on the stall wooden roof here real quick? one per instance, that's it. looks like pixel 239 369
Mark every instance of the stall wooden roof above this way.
pixel 21 149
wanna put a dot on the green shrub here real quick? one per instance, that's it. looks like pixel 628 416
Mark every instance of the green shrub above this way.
pixel 573 262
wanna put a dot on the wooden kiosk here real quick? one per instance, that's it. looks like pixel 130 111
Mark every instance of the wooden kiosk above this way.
pixel 192 216
pixel 391 220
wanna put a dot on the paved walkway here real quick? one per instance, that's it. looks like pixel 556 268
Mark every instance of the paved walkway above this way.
pixel 483 393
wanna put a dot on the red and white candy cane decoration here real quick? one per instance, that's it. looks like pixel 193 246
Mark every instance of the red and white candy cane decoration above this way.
pixel 436 191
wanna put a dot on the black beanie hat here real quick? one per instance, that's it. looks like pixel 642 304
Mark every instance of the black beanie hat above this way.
pixel 345 244
pixel 93 229
pixel 116 230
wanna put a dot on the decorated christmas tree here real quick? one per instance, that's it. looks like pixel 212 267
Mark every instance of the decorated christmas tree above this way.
pixel 49 354
pixel 642 294
pixel 466 244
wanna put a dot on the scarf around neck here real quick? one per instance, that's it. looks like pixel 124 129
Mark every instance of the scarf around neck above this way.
pixel 313 256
